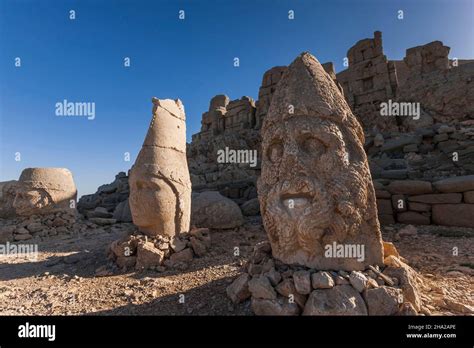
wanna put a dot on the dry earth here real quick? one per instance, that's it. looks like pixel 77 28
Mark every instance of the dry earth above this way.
pixel 73 276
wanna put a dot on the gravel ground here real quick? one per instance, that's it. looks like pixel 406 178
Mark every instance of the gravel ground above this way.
pixel 73 276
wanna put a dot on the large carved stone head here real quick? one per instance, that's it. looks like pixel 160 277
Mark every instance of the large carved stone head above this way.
pixel 160 187
pixel 44 190
pixel 315 187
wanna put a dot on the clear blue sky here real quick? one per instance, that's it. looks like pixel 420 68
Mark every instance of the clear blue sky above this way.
pixel 82 60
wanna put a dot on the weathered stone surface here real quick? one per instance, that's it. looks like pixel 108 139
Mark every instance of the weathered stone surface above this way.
pixel 410 187
pixel 278 306
pixel 238 291
pixel 6 233
pixel 456 184
pixel 122 212
pixel 389 249
pixel 102 221
pixel 251 207
pixel 419 207
pixel 160 186
pixel 461 215
pixel 407 280
pixel 44 190
pixel 148 256
pixel 321 280
pixel 99 212
pixel 358 280
pixel 411 217
pixel 469 197
pixel 287 289
pixel 260 287
pixel 384 207
pixel 312 192
pixel 212 210
pixel 184 255
pixel 339 300
pixel 302 280
pixel 437 198
pixel 382 300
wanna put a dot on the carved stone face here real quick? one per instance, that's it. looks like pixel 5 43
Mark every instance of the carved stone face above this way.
pixel 155 202
pixel 315 187
pixel 29 200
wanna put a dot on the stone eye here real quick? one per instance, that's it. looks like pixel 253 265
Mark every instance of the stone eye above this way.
pixel 275 152
pixel 313 146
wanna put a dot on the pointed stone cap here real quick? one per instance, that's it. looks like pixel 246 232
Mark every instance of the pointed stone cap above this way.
pixel 163 152
pixel 167 126
pixel 311 92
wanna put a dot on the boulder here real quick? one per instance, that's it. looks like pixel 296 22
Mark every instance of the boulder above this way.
pixel 122 212
pixel 339 300
pixel 383 300
pixel 407 281
pixel 358 280
pixel 212 210
pixel 302 280
pixel 239 291
pixel 251 207
pixel 148 256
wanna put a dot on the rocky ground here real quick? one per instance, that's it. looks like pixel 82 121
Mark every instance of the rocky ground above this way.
pixel 73 276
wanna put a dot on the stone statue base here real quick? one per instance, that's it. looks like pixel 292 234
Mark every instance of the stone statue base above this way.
pixel 275 288
pixel 141 252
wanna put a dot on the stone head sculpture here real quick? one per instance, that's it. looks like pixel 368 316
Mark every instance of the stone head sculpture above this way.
pixel 315 188
pixel 160 186
pixel 44 190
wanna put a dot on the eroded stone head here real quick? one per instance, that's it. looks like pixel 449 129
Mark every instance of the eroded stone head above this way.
pixel 315 187
pixel 44 190
pixel 160 187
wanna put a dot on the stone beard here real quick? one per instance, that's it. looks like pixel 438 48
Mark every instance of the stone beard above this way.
pixel 315 186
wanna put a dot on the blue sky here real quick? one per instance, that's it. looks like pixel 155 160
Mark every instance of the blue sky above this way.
pixel 82 60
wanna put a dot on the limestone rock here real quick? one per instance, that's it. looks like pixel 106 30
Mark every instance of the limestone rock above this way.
pixel 261 288
pixel 274 307
pixel 339 300
pixel 411 187
pixel 287 289
pixel 322 280
pixel 251 207
pixel 148 256
pixel 212 210
pixel 302 280
pixel 312 192
pixel 184 255
pixel 358 280
pixel 382 300
pixel 160 186
pixel 122 212
pixel 238 291
pixel 407 280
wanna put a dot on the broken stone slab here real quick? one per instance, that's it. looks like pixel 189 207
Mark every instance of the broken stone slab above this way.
pixel 302 280
pixel 102 221
pixel 358 280
pixel 261 288
pixel 287 289
pixel 239 291
pixel 398 144
pixel 148 256
pixel 339 300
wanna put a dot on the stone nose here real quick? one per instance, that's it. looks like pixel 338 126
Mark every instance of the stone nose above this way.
pixel 292 160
